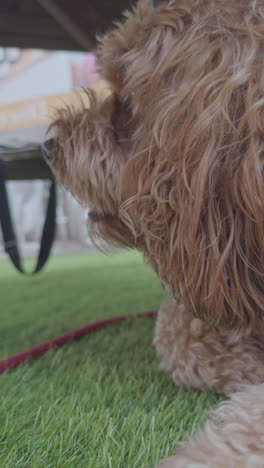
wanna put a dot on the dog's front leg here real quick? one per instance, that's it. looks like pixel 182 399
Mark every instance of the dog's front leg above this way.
pixel 233 436
pixel 203 358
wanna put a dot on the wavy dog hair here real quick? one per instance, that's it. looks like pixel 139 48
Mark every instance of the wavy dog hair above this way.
pixel 187 78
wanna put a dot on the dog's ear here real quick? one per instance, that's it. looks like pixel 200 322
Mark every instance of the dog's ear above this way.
pixel 202 221
pixel 194 189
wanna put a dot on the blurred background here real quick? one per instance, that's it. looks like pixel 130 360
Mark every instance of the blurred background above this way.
pixel 33 83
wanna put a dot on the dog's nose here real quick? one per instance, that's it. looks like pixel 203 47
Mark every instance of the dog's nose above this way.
pixel 49 150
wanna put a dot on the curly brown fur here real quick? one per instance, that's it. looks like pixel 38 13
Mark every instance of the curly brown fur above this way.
pixel 177 151
pixel 171 162
pixel 231 438
pixel 202 358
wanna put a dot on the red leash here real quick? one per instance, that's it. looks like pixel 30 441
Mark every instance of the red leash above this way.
pixel 35 351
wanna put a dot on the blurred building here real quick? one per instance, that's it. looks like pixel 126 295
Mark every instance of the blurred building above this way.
pixel 32 84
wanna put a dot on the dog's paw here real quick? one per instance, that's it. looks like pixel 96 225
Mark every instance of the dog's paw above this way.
pixel 177 462
pixel 167 463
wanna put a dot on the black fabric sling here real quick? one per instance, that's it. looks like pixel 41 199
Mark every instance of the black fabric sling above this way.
pixel 9 237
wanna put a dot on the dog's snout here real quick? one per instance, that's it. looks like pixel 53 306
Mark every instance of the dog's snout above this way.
pixel 49 150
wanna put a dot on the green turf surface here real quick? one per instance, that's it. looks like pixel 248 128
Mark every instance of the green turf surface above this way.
pixel 98 403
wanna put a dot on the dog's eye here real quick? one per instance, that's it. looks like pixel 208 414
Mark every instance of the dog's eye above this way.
pixel 127 102
pixel 117 110
pixel 121 119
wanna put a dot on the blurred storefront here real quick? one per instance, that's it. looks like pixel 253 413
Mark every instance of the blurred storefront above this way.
pixel 33 83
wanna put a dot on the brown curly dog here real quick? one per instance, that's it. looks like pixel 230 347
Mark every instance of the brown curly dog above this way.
pixel 171 162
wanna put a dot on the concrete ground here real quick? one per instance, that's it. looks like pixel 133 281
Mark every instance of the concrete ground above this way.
pixel 30 249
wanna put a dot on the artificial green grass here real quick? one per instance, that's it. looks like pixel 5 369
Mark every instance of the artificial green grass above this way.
pixel 100 402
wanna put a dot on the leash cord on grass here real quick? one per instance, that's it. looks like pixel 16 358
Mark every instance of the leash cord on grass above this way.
pixel 38 350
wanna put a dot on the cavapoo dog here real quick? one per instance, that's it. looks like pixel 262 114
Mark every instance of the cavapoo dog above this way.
pixel 171 162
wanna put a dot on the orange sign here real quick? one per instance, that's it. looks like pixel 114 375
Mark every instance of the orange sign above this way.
pixel 39 111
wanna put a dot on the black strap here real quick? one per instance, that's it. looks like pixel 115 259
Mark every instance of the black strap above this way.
pixel 10 241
